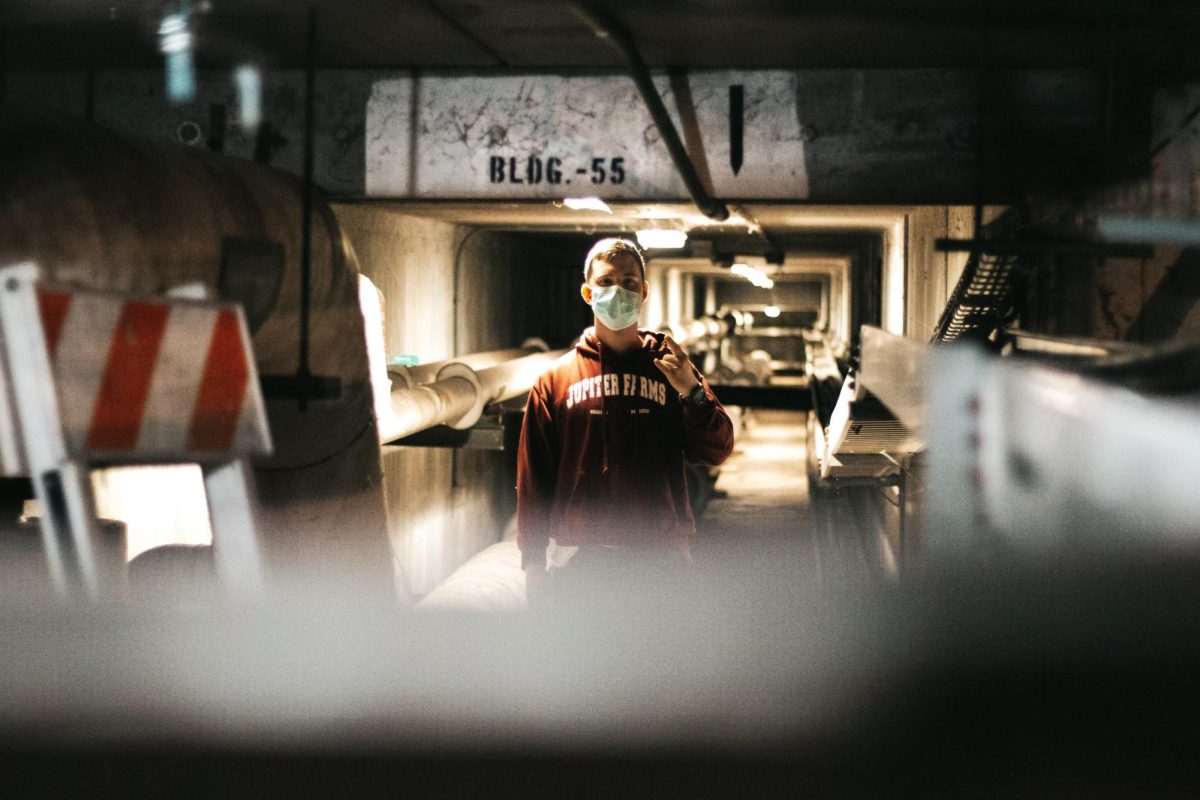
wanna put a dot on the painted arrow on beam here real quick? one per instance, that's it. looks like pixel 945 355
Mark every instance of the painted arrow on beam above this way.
pixel 737 103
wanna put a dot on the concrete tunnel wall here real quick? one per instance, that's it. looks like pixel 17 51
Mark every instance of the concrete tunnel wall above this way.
pixel 445 504
pixel 932 275
pixel 462 496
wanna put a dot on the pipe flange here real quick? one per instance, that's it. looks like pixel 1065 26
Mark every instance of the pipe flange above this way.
pixel 457 369
pixel 535 343
pixel 401 378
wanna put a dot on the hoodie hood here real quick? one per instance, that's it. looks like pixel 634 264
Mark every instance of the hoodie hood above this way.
pixel 589 345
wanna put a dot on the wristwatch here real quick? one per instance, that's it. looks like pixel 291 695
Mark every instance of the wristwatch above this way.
pixel 696 397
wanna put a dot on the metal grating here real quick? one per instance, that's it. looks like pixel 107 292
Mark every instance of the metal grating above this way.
pixel 876 436
pixel 983 300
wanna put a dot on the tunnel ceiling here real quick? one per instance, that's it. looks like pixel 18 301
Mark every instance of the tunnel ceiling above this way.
pixel 788 227
pixel 524 34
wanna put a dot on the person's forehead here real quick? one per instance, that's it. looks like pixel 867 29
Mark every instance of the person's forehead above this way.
pixel 620 263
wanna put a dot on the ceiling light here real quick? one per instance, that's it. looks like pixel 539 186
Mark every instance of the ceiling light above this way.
pixel 771 311
pixel 248 80
pixel 587 204
pixel 175 42
pixel 752 274
pixel 174 34
pixel 660 238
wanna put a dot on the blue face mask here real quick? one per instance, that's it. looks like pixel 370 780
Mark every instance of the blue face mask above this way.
pixel 617 308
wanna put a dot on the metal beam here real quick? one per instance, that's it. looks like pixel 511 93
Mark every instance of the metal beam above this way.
pixel 1044 247
pixel 487 434
pixel 786 397
pixel 894 369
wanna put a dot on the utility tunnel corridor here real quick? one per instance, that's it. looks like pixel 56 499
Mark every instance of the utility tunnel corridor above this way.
pixel 936 260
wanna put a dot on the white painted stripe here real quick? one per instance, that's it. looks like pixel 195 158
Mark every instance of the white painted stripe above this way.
pixel 253 433
pixel 12 461
pixel 167 416
pixel 80 360
pixel 249 438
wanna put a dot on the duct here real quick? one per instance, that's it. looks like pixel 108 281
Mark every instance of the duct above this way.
pixel 460 393
pixel 702 333
pixel 702 337
pixel 427 373
pixel 612 33
pixel 753 370
pixel 99 210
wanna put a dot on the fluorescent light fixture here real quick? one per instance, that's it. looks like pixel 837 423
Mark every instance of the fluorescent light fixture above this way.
pixel 1142 229
pixel 587 204
pixel 174 34
pixel 248 80
pixel 661 238
pixel 771 311
pixel 175 42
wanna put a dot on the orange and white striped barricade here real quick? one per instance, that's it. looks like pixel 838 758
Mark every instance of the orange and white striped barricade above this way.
pixel 94 377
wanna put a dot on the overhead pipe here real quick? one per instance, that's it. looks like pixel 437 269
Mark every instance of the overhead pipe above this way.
pixel 459 394
pixel 187 216
pixel 703 337
pixel 611 32
pixel 702 333
pixel 405 376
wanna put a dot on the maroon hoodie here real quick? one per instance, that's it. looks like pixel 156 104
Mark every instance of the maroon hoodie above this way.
pixel 602 452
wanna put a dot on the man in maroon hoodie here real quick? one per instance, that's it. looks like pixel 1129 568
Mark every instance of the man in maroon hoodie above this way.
pixel 600 468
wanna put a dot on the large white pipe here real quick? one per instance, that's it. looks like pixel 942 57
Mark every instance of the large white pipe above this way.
pixel 428 373
pixel 459 394
pixel 703 331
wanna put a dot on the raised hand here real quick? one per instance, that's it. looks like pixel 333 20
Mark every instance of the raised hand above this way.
pixel 676 367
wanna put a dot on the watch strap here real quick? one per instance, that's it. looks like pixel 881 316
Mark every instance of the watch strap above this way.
pixel 695 397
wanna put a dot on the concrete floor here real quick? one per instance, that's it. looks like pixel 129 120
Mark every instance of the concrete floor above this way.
pixel 762 489
pixel 761 530
pixel 763 524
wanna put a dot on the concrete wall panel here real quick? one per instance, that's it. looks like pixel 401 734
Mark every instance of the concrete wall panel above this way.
pixel 539 136
pixel 839 136
pixel 133 101
pixel 932 275
pixel 445 505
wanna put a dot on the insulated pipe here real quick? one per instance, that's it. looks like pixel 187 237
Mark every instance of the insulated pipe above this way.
pixel 607 29
pixel 703 336
pixel 101 210
pixel 705 331
pixel 96 209
pixel 459 395
pixel 427 373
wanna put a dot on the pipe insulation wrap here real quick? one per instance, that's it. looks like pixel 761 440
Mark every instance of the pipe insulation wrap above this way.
pixel 421 407
pixel 460 394
pixel 101 210
pixel 427 373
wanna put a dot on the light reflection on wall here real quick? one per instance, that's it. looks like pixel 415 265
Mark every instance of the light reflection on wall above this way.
pixel 426 544
pixel 159 505
pixel 894 278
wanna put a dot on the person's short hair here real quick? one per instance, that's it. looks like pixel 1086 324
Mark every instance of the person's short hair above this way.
pixel 608 249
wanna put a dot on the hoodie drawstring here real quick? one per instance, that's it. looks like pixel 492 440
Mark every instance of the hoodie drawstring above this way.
pixel 603 412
